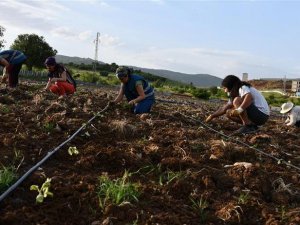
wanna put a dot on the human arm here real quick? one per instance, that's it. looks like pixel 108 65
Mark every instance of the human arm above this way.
pixel 5 75
pixel 48 84
pixel 120 95
pixel 63 77
pixel 247 99
pixel 292 119
pixel 221 111
pixel 141 93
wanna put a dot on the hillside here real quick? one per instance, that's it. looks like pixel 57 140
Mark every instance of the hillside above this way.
pixel 199 80
pixel 76 60
pixel 179 169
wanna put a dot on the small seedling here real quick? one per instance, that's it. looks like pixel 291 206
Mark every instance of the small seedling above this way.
pixel 73 151
pixel 244 197
pixel 200 206
pixel 7 177
pixel 49 127
pixel 43 192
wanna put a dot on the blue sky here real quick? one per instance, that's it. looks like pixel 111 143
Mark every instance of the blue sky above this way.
pixel 214 37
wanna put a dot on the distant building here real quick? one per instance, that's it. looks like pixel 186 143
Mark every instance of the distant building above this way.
pixel 296 87
pixel 245 77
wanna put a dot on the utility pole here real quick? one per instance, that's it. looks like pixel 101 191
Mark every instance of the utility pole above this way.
pixel 96 41
pixel 284 84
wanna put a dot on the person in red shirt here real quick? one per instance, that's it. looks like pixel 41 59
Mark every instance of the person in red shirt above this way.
pixel 60 80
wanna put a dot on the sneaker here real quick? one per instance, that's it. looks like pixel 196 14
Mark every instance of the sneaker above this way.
pixel 247 129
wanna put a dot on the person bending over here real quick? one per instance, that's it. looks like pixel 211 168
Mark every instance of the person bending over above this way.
pixel 12 61
pixel 292 112
pixel 137 90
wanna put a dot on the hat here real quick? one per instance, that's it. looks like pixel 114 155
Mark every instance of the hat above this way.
pixel 50 61
pixel 286 107
pixel 122 71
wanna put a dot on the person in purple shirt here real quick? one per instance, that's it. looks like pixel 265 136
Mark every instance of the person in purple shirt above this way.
pixel 12 61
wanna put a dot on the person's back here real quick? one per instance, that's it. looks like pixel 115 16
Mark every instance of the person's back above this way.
pixel 130 87
pixel 12 60
pixel 258 99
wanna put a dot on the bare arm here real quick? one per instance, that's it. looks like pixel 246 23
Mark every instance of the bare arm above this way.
pixel 221 111
pixel 293 119
pixel 140 91
pixel 5 63
pixel 62 78
pixel 247 100
pixel 120 95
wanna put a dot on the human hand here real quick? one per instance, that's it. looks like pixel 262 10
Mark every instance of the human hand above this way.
pixel 209 118
pixel 4 79
pixel 132 102
pixel 236 112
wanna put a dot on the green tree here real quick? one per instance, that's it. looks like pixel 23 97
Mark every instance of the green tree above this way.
pixel 35 48
pixel 2 29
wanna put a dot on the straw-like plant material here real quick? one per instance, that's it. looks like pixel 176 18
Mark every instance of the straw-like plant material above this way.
pixel 123 129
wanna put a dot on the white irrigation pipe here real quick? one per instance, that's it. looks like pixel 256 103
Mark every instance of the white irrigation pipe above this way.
pixel 49 154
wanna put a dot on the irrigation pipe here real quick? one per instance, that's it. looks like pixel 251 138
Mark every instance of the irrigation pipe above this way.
pixel 230 137
pixel 242 143
pixel 49 154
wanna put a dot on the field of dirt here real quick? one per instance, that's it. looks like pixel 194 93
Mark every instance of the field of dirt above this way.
pixel 185 172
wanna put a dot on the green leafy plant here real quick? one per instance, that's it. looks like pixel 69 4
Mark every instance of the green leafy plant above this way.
pixel 116 191
pixel 244 197
pixel 5 109
pixel 7 177
pixel 169 176
pixel 43 192
pixel 199 206
pixel 49 126
pixel 73 151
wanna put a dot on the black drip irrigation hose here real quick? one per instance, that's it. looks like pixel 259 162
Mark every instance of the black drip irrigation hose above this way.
pixel 49 154
pixel 230 137
pixel 242 143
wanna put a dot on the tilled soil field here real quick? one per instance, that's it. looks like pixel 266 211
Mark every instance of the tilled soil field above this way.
pixel 184 172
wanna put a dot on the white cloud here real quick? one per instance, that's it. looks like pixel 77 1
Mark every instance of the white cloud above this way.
pixel 109 41
pixel 85 35
pixel 195 60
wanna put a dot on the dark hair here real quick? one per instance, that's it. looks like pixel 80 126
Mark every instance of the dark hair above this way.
pixel 124 71
pixel 50 61
pixel 233 84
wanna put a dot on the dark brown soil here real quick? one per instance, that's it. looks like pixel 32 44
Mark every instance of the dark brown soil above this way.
pixel 167 139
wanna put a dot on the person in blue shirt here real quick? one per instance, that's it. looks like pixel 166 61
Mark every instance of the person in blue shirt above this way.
pixel 137 90
pixel 12 61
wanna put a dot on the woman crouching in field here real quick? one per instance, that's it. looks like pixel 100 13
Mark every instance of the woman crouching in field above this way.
pixel 246 105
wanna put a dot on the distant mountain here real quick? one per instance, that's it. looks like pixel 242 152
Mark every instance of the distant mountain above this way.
pixel 76 60
pixel 199 80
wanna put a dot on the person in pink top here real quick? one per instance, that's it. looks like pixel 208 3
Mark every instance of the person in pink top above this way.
pixel 60 80
pixel 292 112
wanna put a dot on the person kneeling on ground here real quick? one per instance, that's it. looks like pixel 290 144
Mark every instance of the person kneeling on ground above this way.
pixel 60 80
pixel 246 105
pixel 292 112
pixel 137 90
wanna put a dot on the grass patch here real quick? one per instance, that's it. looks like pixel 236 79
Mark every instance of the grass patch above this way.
pixel 7 176
pixel 116 191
